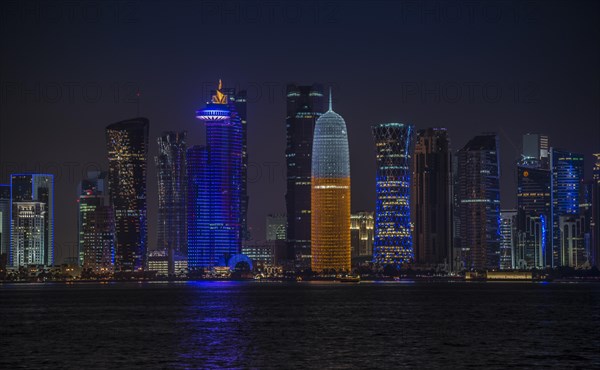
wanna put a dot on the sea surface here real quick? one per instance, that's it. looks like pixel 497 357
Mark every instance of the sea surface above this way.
pixel 300 325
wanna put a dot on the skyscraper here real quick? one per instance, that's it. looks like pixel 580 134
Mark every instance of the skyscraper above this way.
pixel 304 107
pixel 393 229
pixel 533 249
pixel 361 234
pixel 32 197
pixel 127 144
pixel 479 202
pixel 508 230
pixel 330 194
pixel 432 198
pixel 215 176
pixel 28 237
pixel 533 246
pixel 595 250
pixel 567 174
pixel 96 228
pixel 238 103
pixel 172 193
pixel 4 220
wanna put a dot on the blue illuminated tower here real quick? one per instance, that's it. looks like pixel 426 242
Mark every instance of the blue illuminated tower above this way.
pixel 567 174
pixel 215 185
pixel 393 243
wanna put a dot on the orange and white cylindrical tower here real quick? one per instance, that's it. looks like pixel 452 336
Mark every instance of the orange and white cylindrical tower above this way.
pixel 330 194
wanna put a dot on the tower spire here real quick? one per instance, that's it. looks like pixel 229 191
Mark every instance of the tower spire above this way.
pixel 330 98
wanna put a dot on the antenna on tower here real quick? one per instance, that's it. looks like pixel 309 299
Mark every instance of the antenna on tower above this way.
pixel 330 98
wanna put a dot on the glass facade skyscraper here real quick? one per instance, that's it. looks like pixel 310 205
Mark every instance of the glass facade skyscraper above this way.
pixel 238 101
pixel 214 182
pixel 96 227
pixel 172 193
pixel 32 219
pixel 479 202
pixel 432 198
pixel 304 107
pixel 127 145
pixel 393 243
pixel 330 194
pixel 567 174
pixel 595 250
pixel 533 249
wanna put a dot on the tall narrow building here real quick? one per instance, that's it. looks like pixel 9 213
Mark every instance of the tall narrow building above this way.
pixel 127 145
pixel 5 206
pixel 238 103
pixel 393 229
pixel 330 194
pixel 595 249
pixel 304 107
pixel 567 174
pixel 96 227
pixel 432 198
pixel 479 202
pixel 533 246
pixel 32 219
pixel 214 181
pixel 172 193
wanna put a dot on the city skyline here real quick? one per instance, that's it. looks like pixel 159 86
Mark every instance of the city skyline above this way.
pixel 549 86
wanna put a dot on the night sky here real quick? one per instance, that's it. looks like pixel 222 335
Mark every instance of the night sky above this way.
pixel 69 69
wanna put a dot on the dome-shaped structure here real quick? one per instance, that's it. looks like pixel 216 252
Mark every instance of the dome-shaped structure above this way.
pixel 330 158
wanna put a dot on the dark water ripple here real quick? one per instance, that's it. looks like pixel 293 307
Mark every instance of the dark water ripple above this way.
pixel 318 325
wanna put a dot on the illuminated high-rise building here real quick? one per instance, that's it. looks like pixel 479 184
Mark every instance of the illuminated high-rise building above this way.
pixel 393 243
pixel 304 107
pixel 5 206
pixel 595 249
pixel 508 231
pixel 330 194
pixel 432 198
pixel 28 237
pixel 32 198
pixel 479 202
pixel 172 193
pixel 238 102
pixel 96 227
pixel 567 173
pixel 127 145
pixel 214 186
pixel 362 226
pixel 533 247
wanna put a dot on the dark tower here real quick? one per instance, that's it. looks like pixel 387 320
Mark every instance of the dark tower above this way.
pixel 304 107
pixel 127 144
pixel 432 202
pixel 479 202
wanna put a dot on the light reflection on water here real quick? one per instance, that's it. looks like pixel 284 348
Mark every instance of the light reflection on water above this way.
pixel 311 324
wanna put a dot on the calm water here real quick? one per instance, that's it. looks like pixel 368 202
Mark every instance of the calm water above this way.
pixel 314 325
